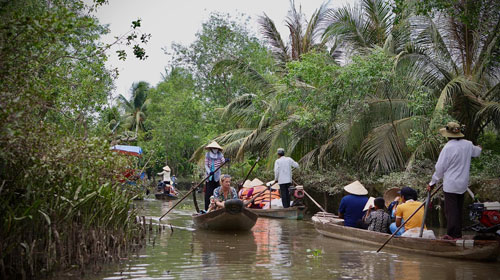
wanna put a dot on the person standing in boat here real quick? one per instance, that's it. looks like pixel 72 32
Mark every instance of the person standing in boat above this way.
pixel 213 160
pixel 166 178
pixel 224 192
pixel 453 167
pixel 283 175
pixel 352 205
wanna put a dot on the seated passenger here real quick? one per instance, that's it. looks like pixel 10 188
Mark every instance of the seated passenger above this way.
pixel 403 211
pixel 376 217
pixel 351 205
pixel 224 192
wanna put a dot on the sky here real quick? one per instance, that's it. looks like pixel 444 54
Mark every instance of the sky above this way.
pixel 170 21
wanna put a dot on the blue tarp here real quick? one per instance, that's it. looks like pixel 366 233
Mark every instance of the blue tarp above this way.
pixel 130 150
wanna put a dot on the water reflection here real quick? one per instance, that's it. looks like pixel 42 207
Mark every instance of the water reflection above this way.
pixel 275 249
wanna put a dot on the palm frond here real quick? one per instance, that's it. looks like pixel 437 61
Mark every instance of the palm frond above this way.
pixel 273 38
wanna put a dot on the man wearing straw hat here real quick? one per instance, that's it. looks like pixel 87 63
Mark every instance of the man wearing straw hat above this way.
pixel 352 205
pixel 283 175
pixel 213 160
pixel 453 167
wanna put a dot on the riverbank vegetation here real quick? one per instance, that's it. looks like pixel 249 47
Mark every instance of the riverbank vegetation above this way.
pixel 61 203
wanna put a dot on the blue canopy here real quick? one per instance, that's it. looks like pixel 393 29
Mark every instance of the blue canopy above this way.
pixel 129 150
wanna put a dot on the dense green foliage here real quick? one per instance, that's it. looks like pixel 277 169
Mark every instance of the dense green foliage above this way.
pixel 60 195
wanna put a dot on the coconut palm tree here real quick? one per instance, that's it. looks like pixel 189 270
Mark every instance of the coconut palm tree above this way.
pixel 455 53
pixel 304 35
pixel 135 108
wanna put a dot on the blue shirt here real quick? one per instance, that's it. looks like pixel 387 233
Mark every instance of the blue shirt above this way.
pixel 352 208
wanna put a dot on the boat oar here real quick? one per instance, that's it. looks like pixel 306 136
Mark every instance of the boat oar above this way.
pixel 255 196
pixel 192 189
pixel 248 174
pixel 317 204
pixel 427 200
pixel 310 197
pixel 402 225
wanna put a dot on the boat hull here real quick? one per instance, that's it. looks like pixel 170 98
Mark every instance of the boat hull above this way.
pixel 226 219
pixel 482 250
pixel 163 196
pixel 291 213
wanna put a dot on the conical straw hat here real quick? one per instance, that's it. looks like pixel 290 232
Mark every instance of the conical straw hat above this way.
pixel 356 188
pixel 166 168
pixel 390 195
pixel 275 186
pixel 256 182
pixel 213 145
pixel 247 184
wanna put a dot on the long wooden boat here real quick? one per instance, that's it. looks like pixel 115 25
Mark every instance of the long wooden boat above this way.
pixel 483 250
pixel 233 217
pixel 292 213
pixel 165 196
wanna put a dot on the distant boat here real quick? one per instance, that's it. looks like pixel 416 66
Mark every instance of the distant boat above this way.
pixel 233 217
pixel 483 250
pixel 291 213
pixel 166 196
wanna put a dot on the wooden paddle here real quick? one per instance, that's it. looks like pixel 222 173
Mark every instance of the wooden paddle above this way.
pixel 192 189
pixel 427 200
pixel 402 225
pixel 255 196
pixel 248 174
pixel 310 197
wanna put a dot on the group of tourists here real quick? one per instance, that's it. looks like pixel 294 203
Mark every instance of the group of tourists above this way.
pixel 452 167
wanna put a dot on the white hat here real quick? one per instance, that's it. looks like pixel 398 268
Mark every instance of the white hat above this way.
pixel 275 186
pixel 356 188
pixel 213 145
pixel 256 182
pixel 166 168
pixel 247 184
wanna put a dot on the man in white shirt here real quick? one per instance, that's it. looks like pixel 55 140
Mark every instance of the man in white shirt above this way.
pixel 283 175
pixel 453 167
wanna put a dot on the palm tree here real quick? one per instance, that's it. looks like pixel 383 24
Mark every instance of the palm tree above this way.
pixel 304 35
pixel 456 54
pixel 135 108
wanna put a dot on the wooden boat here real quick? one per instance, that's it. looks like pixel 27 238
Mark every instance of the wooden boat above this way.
pixel 292 213
pixel 165 196
pixel 483 250
pixel 233 217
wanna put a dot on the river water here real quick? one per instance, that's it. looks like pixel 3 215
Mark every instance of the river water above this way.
pixel 274 249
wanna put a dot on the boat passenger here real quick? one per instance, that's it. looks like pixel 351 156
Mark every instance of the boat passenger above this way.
pixel 213 160
pixel 352 205
pixel 283 175
pixel 453 167
pixel 224 192
pixel 376 217
pixel 166 175
pixel 403 211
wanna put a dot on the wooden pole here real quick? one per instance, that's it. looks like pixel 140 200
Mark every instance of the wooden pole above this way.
pixel 402 225
pixel 317 204
pixel 427 200
pixel 248 174
pixel 192 189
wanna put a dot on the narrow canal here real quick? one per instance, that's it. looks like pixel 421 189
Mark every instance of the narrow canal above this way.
pixel 274 249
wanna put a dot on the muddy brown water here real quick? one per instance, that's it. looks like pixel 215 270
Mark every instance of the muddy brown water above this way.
pixel 274 249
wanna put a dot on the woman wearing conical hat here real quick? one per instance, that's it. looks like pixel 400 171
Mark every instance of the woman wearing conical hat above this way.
pixel 213 160
pixel 352 205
